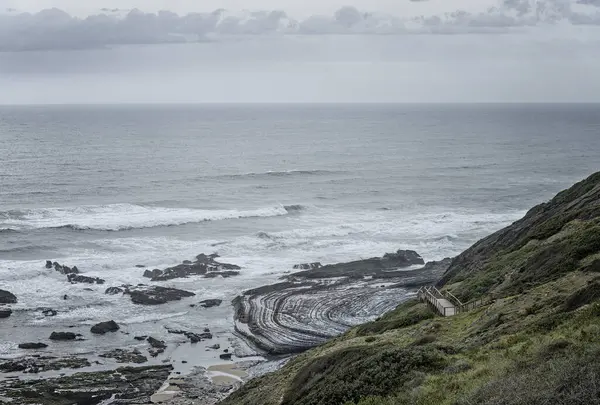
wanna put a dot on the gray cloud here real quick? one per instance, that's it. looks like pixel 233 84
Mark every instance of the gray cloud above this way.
pixel 55 29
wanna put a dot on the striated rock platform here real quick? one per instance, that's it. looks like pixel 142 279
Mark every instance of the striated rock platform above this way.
pixel 313 306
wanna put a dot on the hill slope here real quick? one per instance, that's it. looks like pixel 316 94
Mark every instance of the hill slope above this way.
pixel 538 342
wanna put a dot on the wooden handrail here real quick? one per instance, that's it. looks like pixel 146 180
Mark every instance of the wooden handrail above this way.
pixel 432 295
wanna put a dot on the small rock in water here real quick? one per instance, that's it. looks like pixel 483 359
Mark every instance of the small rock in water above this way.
pixel 48 264
pixel 63 336
pixel 65 297
pixel 183 361
pixel 6 297
pixel 113 290
pixel 215 346
pixel 158 346
pixel 104 327
pixel 140 266
pixel 226 351
pixel 152 273
pixel 155 295
pixel 74 278
pixel 210 303
pixel 5 312
pixel 225 356
pixel 49 312
pixel 32 346
pixel 140 337
pixel 206 330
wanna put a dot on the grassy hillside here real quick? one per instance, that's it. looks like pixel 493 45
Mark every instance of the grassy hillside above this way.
pixel 538 342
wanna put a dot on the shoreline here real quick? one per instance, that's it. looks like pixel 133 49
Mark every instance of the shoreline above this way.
pixel 270 325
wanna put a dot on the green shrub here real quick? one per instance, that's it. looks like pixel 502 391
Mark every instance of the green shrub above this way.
pixel 407 314
pixel 355 373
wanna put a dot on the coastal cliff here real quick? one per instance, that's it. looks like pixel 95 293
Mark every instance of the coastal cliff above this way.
pixel 537 341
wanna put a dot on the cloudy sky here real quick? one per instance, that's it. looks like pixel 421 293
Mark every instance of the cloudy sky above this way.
pixel 184 51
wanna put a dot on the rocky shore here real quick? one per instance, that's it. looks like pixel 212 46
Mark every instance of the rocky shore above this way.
pixel 303 310
pixel 312 306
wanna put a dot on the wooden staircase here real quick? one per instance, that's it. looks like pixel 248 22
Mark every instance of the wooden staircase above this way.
pixel 445 303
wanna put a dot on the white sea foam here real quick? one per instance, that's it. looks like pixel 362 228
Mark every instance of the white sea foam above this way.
pixel 114 217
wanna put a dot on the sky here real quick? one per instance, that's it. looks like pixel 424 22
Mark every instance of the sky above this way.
pixel 69 52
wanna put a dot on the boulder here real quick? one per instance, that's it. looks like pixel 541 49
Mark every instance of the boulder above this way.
pixel 144 337
pixel 75 278
pixel 64 269
pixel 215 346
pixel 140 266
pixel 158 346
pixel 5 312
pixel 152 273
pixel 155 343
pixel 154 295
pixel 48 264
pixel 113 290
pixel 6 297
pixel 104 327
pixel 308 266
pixel 63 336
pixel 225 356
pixel 32 345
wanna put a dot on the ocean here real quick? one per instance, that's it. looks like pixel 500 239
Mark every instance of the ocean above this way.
pixel 109 187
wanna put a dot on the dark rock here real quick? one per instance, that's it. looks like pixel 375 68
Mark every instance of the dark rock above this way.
pixel 144 337
pixel 104 327
pixel 63 336
pixel 184 362
pixel 210 303
pixel 375 267
pixel 215 346
pixel 65 297
pixel 32 345
pixel 308 266
pixel 113 290
pixel 37 364
pixel 64 269
pixel 193 337
pixel 155 343
pixel 156 295
pixel 5 312
pixel 226 351
pixel 203 265
pixel 124 356
pixel 206 330
pixel 140 266
pixel 7 297
pixel 224 274
pixel 49 312
pixel 126 385
pixel 74 278
pixel 152 273
pixel 225 356
pixel 158 346
pixel 48 264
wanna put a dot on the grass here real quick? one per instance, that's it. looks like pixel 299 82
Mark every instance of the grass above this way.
pixel 536 343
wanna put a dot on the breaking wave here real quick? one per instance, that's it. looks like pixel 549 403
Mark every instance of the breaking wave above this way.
pixel 116 217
